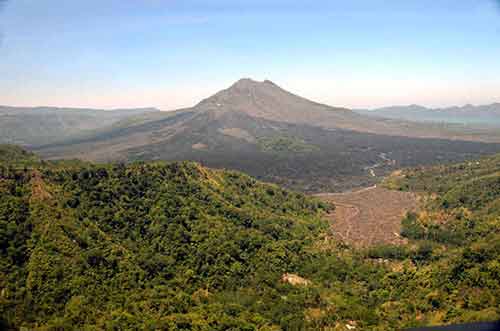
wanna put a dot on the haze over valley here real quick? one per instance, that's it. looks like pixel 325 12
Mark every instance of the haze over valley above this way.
pixel 467 115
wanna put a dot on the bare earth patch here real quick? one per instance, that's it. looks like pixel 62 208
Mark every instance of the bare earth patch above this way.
pixel 38 188
pixel 295 280
pixel 370 216
pixel 200 146
pixel 238 133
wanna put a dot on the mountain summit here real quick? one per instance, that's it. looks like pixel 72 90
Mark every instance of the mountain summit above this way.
pixel 269 101
pixel 248 83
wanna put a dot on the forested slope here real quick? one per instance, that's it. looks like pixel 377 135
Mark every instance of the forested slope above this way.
pixel 144 246
pixel 458 231
pixel 175 246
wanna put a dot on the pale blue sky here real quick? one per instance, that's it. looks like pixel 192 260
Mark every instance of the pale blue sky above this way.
pixel 169 54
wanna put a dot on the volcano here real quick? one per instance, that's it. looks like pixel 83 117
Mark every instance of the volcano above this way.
pixel 275 135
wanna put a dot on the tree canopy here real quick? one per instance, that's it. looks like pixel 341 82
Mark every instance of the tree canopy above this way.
pixel 176 246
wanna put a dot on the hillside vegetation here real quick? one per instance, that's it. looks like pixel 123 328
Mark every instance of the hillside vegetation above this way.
pixel 176 246
pixel 15 154
pixel 459 232
pixel 148 246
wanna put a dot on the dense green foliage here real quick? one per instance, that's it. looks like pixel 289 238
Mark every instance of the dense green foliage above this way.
pixel 175 246
pixel 148 246
pixel 459 226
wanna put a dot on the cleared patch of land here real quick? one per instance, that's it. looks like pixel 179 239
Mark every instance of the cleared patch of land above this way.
pixel 370 216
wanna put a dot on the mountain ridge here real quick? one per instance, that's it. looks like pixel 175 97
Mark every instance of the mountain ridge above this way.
pixel 484 115
pixel 32 126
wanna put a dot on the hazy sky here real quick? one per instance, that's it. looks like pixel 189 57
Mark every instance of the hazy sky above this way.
pixel 169 53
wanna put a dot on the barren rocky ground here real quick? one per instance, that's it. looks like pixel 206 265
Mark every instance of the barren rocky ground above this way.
pixel 370 216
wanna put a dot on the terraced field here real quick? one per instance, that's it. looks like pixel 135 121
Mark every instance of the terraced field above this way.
pixel 370 216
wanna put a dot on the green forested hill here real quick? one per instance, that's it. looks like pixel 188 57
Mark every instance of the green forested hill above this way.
pixel 175 246
pixel 145 246
pixel 14 154
pixel 459 230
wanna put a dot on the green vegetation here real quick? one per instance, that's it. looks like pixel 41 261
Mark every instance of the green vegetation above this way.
pixel 15 154
pixel 175 246
pixel 149 246
pixel 458 236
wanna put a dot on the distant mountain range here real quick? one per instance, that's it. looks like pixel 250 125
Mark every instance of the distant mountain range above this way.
pixel 261 129
pixel 485 115
pixel 41 125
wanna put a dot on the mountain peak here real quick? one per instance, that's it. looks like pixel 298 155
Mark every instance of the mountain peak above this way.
pixel 247 94
pixel 248 83
pixel 245 81
pixel 265 99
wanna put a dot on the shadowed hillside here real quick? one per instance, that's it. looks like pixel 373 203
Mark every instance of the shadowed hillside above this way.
pixel 43 125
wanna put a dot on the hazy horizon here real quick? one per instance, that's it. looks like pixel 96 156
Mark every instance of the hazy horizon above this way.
pixel 172 54
pixel 207 96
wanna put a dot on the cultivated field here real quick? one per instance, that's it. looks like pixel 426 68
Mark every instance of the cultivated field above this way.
pixel 369 216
